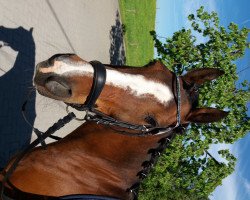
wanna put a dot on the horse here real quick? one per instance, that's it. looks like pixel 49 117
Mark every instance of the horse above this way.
pixel 15 134
pixel 99 160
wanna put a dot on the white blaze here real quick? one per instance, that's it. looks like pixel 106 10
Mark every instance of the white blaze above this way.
pixel 138 85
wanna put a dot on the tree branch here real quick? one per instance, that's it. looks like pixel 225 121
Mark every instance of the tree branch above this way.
pixel 216 161
pixel 243 70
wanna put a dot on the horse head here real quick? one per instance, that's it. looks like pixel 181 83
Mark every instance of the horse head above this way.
pixel 136 95
pixel 91 160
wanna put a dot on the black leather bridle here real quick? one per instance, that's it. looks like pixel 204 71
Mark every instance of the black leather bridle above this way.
pixel 92 114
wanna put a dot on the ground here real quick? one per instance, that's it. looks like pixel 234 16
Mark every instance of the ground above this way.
pixel 33 32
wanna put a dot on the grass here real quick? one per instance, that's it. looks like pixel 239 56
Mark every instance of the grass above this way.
pixel 138 16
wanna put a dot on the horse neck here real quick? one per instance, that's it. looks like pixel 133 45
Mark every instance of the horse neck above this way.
pixel 112 144
pixel 122 154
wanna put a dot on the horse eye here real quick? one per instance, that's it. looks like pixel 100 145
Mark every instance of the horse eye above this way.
pixel 194 89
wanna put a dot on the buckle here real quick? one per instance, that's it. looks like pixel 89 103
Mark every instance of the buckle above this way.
pixel 77 118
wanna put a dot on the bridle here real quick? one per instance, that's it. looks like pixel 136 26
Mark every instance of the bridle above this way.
pixel 92 114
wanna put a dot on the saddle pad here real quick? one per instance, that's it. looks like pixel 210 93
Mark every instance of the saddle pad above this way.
pixel 86 197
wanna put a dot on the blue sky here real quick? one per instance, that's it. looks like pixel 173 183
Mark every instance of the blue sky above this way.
pixel 171 16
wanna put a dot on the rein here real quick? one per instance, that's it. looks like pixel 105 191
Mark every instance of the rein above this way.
pixel 99 80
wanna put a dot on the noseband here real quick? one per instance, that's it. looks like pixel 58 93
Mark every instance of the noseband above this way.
pixel 92 114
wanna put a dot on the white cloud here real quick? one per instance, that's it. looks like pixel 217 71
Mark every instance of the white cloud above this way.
pixel 216 147
pixel 246 21
pixel 191 6
pixel 246 184
pixel 228 190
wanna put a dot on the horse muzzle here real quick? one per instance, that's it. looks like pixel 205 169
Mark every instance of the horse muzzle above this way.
pixel 50 84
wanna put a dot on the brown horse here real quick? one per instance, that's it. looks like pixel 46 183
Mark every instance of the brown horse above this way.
pixel 96 159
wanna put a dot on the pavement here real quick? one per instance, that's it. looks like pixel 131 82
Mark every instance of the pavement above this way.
pixel 33 31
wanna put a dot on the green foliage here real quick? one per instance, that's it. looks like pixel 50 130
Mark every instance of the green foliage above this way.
pixel 187 170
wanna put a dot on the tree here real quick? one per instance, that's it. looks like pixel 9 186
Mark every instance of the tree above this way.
pixel 187 170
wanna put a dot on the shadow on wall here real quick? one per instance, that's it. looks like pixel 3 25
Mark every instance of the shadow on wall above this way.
pixel 15 84
pixel 116 51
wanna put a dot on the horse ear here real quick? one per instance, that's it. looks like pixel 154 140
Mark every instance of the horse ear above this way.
pixel 199 76
pixel 31 29
pixel 206 115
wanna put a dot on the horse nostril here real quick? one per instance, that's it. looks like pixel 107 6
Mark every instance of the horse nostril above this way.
pixel 70 92
pixel 58 87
